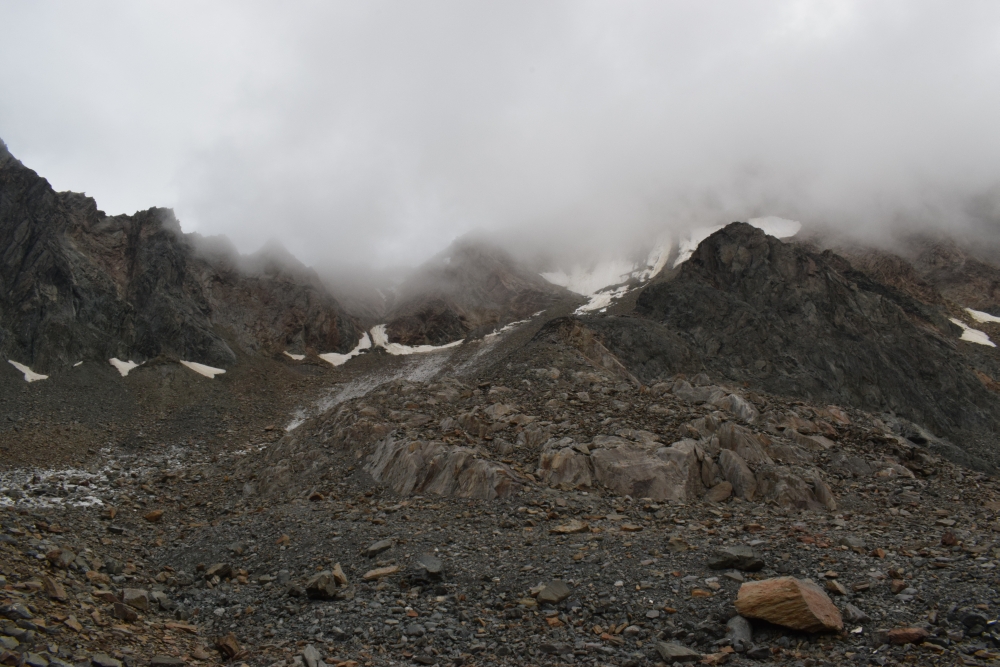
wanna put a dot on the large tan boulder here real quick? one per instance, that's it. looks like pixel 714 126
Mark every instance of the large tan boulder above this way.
pixel 685 459
pixel 791 487
pixel 633 470
pixel 794 603
pixel 564 467
pixel 742 441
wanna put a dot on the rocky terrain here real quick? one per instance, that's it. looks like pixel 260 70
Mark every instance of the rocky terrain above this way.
pixel 792 322
pixel 772 454
pixel 526 502
pixel 76 284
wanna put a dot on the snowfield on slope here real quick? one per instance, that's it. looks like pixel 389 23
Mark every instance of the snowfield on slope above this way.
pixel 972 335
pixel 124 367
pixel 29 375
pixel 981 317
pixel 202 369
pixel 341 359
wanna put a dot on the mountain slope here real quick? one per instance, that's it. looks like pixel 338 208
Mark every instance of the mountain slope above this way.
pixel 78 284
pixel 469 287
pixel 796 323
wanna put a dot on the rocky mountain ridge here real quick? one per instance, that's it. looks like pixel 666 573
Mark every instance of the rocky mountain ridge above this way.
pixel 792 322
pixel 77 284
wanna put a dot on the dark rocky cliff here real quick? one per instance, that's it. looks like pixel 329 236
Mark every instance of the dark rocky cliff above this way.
pixel 77 284
pixel 780 318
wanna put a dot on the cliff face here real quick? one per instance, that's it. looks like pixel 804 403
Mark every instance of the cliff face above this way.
pixel 753 309
pixel 77 284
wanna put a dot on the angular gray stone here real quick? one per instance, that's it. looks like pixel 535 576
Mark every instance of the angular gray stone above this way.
pixel 104 660
pixel 739 633
pixel 742 441
pixel 311 655
pixel 855 615
pixel 377 548
pixel 431 564
pixel 136 598
pixel 736 557
pixel 554 592
pixel 671 653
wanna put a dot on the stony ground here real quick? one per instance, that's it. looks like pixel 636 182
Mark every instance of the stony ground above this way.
pixel 206 550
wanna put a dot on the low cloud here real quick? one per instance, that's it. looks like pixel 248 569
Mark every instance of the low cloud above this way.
pixel 373 134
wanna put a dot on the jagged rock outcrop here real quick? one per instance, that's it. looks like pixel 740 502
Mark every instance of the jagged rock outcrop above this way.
pixel 775 316
pixel 77 284
pixel 439 469
pixel 471 287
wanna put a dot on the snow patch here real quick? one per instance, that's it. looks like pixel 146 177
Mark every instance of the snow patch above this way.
pixel 381 339
pixel 690 244
pixel 202 369
pixel 602 300
pixel 296 357
pixel 340 359
pixel 982 317
pixel 973 335
pixel 510 326
pixel 124 367
pixel 29 375
pixel 588 282
pixel 77 364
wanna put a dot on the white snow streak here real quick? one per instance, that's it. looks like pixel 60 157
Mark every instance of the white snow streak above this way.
pixel 202 369
pixel 124 367
pixel 296 357
pixel 29 375
pixel 973 335
pixel 340 359
pixel 982 317
pixel 381 339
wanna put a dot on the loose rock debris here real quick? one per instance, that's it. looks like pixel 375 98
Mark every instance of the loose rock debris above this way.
pixel 553 514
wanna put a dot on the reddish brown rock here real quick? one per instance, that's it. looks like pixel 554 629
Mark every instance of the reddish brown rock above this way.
pixel 907 635
pixel 794 603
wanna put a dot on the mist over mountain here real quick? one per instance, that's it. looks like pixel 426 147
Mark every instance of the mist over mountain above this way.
pixel 356 135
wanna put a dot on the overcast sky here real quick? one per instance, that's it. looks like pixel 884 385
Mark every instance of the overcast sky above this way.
pixel 380 131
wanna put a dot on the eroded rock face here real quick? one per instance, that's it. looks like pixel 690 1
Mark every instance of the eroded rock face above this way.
pixel 738 474
pixel 433 467
pixel 789 489
pixel 667 473
pixel 78 284
pixel 794 603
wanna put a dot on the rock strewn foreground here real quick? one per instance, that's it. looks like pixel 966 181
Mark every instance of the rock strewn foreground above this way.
pixel 216 552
